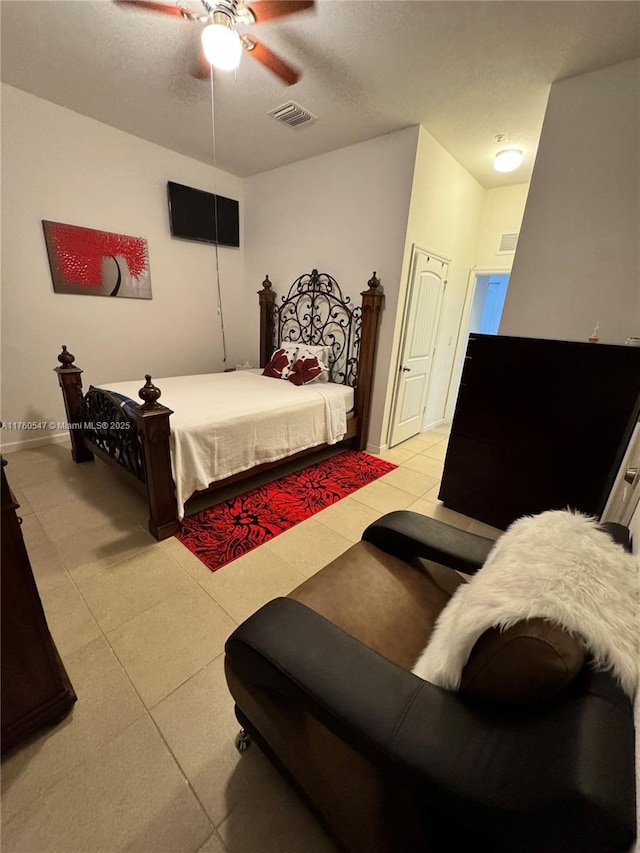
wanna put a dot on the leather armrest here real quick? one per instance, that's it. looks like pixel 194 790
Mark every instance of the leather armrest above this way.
pixel 565 771
pixel 407 534
pixel 288 648
pixel 618 532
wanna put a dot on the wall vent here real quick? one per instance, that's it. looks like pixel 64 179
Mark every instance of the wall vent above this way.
pixel 508 244
pixel 292 114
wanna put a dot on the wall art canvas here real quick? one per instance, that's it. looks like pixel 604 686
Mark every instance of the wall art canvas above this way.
pixel 97 263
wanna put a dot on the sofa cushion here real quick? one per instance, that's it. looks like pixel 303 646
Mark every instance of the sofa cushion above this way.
pixel 391 606
pixel 386 603
pixel 528 663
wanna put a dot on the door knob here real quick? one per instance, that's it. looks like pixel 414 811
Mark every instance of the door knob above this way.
pixel 406 370
pixel 630 475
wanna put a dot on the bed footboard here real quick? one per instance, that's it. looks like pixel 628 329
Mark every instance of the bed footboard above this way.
pixel 153 423
pixel 144 455
pixel 70 381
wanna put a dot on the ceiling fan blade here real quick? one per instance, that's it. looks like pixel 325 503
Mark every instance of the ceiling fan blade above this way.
pixel 147 6
pixel 271 61
pixel 267 10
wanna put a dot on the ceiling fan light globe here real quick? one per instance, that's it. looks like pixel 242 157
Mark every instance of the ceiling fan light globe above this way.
pixel 222 46
pixel 508 160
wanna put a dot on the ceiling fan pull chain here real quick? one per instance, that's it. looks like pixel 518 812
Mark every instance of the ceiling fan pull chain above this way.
pixel 215 191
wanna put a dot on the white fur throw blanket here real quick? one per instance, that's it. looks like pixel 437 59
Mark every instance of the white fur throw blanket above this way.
pixel 559 566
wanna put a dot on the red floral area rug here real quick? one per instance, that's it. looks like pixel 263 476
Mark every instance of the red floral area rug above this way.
pixel 224 532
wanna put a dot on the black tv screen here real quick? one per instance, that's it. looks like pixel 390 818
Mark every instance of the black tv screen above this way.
pixel 199 215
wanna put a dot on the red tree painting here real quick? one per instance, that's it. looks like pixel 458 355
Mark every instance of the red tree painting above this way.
pixel 84 260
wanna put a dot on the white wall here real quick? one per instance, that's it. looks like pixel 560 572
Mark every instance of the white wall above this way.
pixel 446 204
pixel 61 166
pixel 502 213
pixel 577 260
pixel 344 213
pixel 347 213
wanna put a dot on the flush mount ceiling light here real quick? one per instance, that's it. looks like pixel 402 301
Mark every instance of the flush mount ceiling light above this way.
pixel 221 43
pixel 508 160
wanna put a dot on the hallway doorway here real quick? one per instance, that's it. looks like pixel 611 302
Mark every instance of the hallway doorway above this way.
pixel 488 303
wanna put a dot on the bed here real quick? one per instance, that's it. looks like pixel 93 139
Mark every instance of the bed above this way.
pixel 214 429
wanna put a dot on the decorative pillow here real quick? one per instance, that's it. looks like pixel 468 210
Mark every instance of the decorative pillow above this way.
pixel 527 664
pixel 304 353
pixel 281 362
pixel 305 370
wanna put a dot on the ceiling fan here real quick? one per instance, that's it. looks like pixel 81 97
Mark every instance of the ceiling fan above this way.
pixel 222 44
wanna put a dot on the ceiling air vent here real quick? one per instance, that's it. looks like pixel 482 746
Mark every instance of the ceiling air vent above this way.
pixel 508 244
pixel 292 114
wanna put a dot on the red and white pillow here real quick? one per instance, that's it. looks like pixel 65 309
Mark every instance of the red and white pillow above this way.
pixel 322 354
pixel 299 364
pixel 280 363
pixel 305 371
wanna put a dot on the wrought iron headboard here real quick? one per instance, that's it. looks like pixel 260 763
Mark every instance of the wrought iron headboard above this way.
pixel 314 312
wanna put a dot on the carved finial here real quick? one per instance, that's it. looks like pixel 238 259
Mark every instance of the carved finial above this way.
pixel 65 358
pixel 314 279
pixel 374 281
pixel 266 283
pixel 149 393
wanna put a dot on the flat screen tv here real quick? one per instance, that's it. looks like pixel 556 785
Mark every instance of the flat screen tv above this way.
pixel 199 215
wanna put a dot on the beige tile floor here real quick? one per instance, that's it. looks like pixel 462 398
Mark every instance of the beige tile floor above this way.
pixel 146 760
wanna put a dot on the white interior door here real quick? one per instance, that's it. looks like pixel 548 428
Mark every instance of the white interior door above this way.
pixel 422 320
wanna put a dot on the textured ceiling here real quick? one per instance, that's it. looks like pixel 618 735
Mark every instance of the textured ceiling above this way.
pixel 465 70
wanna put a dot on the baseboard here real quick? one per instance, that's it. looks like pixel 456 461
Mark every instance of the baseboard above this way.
pixel 427 427
pixel 27 443
pixel 376 448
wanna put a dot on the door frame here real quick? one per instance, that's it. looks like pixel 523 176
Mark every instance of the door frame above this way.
pixel 461 347
pixel 472 282
pixel 613 511
pixel 415 248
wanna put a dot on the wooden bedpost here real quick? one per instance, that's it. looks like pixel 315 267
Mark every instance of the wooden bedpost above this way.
pixel 153 425
pixel 267 299
pixel 372 300
pixel 70 381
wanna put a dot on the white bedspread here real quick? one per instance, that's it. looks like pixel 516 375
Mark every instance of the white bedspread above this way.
pixel 224 423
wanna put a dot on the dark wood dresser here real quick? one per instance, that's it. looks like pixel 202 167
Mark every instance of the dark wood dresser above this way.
pixel 538 425
pixel 36 690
